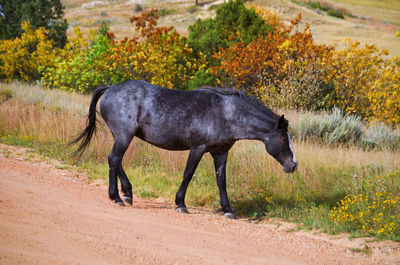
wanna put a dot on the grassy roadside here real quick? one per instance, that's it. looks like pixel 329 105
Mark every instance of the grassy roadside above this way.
pixel 328 177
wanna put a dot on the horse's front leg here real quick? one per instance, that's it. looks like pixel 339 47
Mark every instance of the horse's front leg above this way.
pixel 195 156
pixel 220 169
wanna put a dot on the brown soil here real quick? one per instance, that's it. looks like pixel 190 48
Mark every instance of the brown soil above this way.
pixel 50 215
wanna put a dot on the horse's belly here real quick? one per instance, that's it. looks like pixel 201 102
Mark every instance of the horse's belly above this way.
pixel 164 139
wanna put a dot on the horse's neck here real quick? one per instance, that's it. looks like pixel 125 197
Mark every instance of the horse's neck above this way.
pixel 254 127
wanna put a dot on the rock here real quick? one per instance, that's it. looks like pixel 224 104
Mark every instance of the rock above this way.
pixel 94 3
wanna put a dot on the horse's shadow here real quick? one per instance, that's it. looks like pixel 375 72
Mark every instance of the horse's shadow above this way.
pixel 258 207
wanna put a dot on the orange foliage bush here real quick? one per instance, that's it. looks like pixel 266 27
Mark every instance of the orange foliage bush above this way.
pixel 265 66
pixel 287 69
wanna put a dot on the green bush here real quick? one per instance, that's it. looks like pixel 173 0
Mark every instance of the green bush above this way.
pixel 192 9
pixel 138 8
pixel 335 13
pixel 202 78
pixel 207 36
pixel 81 72
pixel 165 11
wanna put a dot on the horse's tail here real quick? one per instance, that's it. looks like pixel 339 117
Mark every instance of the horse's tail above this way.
pixel 86 135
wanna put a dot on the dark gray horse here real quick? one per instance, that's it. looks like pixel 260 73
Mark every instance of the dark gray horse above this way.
pixel 203 120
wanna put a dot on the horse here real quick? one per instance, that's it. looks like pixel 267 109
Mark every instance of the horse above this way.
pixel 202 120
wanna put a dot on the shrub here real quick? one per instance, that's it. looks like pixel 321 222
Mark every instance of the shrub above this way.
pixel 379 136
pixel 335 13
pixel 330 128
pixel 209 35
pixel 267 66
pixel 138 8
pixel 165 11
pixel 301 89
pixel 201 78
pixel 20 58
pixel 80 68
pixel 160 56
pixel 335 127
pixel 366 82
pixel 192 9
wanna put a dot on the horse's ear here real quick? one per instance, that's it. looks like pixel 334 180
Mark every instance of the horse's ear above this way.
pixel 282 123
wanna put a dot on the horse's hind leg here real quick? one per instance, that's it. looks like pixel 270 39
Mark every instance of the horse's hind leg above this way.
pixel 115 164
pixel 125 184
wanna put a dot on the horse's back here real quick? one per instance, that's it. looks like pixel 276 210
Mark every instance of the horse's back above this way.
pixel 167 118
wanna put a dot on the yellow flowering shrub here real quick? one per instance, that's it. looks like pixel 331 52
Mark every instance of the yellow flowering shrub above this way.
pixel 20 58
pixel 373 215
pixel 366 82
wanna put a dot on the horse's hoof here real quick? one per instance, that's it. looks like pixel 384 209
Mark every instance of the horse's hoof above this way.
pixel 119 204
pixel 128 200
pixel 230 215
pixel 182 210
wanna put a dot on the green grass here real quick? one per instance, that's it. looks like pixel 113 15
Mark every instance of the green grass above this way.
pixel 257 186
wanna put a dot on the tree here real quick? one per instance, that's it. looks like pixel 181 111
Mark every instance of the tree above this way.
pixel 39 13
pixel 232 19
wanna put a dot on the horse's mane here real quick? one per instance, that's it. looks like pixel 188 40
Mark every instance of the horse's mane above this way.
pixel 244 96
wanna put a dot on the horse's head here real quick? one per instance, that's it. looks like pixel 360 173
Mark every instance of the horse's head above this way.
pixel 279 145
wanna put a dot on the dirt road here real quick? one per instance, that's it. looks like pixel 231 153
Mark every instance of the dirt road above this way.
pixel 50 215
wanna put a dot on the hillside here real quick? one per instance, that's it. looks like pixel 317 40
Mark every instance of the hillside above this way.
pixel 373 21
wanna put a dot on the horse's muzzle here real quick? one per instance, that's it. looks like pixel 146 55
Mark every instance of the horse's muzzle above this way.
pixel 290 167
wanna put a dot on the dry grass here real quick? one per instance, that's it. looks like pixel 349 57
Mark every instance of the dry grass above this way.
pixel 384 4
pixel 75 103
